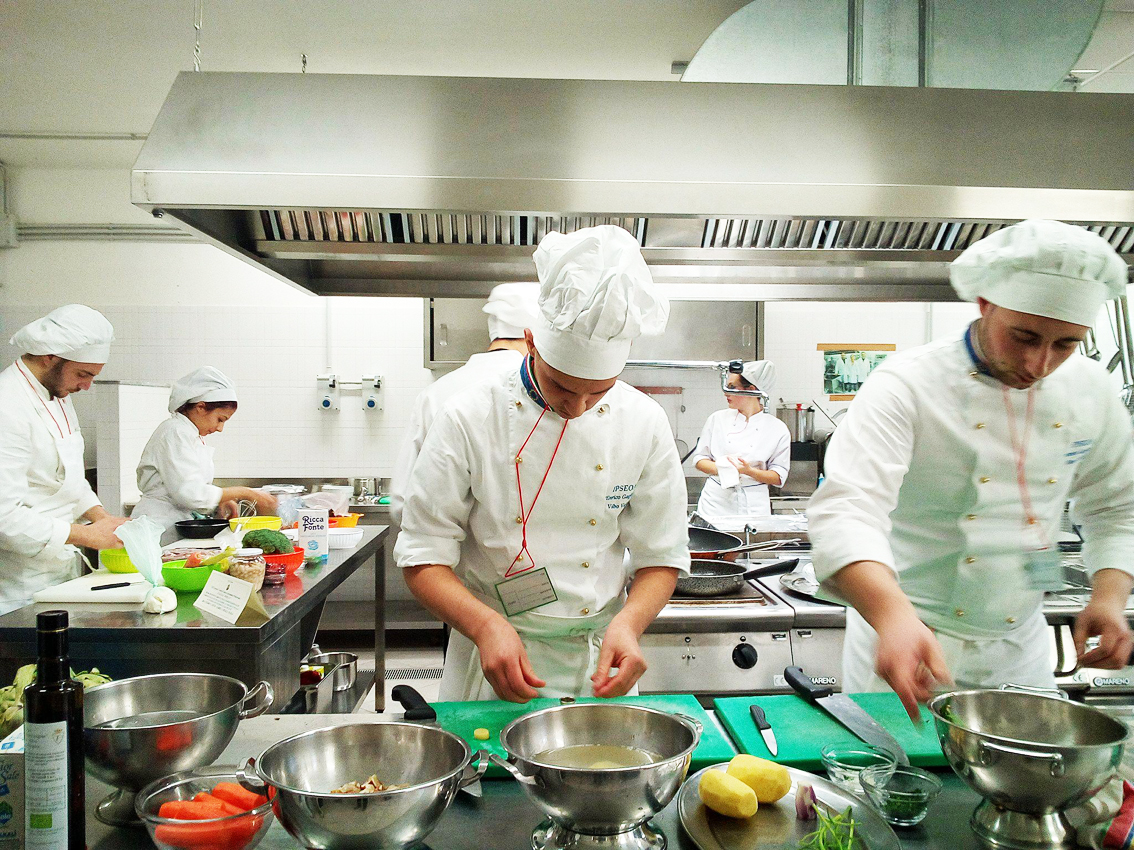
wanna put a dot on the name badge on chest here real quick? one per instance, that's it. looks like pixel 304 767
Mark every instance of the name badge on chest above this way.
pixel 1044 568
pixel 525 592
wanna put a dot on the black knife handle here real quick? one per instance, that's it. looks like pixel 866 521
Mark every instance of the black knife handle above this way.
pixel 802 685
pixel 758 717
pixel 414 703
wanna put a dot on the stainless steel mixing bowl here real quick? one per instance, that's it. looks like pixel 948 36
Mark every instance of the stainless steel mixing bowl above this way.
pixel 141 729
pixel 1027 754
pixel 427 763
pixel 600 801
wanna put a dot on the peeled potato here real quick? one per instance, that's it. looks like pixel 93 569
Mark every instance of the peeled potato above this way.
pixel 727 795
pixel 481 734
pixel 770 781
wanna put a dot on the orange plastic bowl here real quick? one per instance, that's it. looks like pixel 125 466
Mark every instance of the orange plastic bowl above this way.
pixel 348 521
pixel 291 562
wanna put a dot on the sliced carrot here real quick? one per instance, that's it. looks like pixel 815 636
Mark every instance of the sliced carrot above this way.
pixel 217 801
pixel 191 810
pixel 208 836
pixel 230 792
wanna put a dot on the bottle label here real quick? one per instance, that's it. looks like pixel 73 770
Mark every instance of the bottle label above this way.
pixel 45 781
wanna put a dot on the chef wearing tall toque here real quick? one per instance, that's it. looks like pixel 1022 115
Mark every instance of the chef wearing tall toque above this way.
pixel 530 487
pixel 175 472
pixel 946 482
pixel 744 450
pixel 47 508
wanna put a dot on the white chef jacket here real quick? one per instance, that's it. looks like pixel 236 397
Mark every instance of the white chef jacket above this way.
pixel 43 489
pixel 762 440
pixel 615 483
pixel 921 476
pixel 479 368
pixel 175 475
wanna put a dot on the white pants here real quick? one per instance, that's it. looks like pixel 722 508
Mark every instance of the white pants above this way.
pixel 1021 658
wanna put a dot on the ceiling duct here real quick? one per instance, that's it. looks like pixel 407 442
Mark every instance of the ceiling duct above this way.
pixel 442 186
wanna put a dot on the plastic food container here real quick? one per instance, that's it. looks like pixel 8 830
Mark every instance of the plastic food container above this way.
pixel 235 832
pixel 344 538
pixel 845 763
pixel 292 561
pixel 184 579
pixel 900 793
pixel 348 521
pixel 248 565
pixel 249 523
pixel 116 560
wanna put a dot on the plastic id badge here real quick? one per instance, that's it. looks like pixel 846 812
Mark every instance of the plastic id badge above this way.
pixel 1044 568
pixel 526 591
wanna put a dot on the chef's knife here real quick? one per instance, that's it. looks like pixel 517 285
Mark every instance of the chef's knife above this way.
pixel 419 711
pixel 846 711
pixel 765 729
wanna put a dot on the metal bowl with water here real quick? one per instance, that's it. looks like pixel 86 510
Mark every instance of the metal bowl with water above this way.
pixel 606 805
pixel 1030 756
pixel 428 764
pixel 141 729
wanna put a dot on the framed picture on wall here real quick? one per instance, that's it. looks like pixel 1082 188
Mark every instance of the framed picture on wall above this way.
pixel 845 367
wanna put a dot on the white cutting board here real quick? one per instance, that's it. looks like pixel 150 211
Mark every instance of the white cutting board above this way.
pixel 79 589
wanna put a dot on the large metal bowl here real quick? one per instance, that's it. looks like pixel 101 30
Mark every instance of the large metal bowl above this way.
pixel 1030 756
pixel 600 801
pixel 141 729
pixel 429 764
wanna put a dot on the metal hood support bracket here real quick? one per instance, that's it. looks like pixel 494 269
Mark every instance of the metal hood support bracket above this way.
pixel 381 185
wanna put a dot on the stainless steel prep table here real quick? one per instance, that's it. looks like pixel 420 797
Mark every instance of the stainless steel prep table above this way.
pixel 504 818
pixel 123 641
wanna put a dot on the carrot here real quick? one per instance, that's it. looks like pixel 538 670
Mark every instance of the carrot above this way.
pixel 191 810
pixel 230 792
pixel 209 836
pixel 217 801
pixel 172 738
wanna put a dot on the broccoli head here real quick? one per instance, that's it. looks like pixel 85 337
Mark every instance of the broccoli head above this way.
pixel 271 542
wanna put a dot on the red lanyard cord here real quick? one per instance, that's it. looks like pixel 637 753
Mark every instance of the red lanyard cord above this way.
pixel 62 410
pixel 1020 448
pixel 520 490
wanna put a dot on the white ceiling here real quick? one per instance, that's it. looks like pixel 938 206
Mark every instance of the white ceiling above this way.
pixel 105 66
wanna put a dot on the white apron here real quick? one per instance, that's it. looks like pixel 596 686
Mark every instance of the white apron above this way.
pixel 21 576
pixel 1022 657
pixel 166 513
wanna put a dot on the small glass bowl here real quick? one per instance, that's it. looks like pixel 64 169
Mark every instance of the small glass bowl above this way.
pixel 901 793
pixel 844 762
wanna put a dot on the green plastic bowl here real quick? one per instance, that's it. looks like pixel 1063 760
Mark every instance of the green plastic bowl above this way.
pixel 116 560
pixel 187 580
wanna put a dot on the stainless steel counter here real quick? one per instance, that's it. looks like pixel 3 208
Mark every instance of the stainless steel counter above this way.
pixel 504 818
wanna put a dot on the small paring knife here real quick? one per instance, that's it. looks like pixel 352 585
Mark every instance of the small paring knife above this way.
pixel 765 729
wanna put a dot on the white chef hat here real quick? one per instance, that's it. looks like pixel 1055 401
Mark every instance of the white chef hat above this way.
pixel 761 374
pixel 596 296
pixel 73 332
pixel 511 309
pixel 1046 268
pixel 205 384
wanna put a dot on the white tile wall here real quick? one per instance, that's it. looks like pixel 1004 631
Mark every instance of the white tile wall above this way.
pixel 126 417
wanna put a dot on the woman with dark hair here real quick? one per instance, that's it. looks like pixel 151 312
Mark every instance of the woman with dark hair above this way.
pixel 175 473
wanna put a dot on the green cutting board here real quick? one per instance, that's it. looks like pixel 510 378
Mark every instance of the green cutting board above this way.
pixel 463 718
pixel 802 730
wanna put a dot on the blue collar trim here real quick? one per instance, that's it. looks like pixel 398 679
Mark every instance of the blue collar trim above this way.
pixel 977 362
pixel 530 387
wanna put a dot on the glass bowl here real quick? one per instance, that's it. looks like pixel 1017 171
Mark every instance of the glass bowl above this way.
pixel 235 832
pixel 901 793
pixel 844 762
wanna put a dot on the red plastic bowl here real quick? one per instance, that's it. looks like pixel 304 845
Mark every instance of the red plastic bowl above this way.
pixel 291 562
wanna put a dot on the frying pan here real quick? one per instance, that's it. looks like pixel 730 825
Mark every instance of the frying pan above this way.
pixel 710 544
pixel 711 577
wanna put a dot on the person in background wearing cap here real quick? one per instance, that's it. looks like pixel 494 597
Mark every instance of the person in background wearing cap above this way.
pixel 530 487
pixel 175 473
pixel 744 450
pixel 946 482
pixel 511 310
pixel 44 494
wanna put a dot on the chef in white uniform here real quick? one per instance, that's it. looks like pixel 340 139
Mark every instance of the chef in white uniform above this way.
pixel 946 481
pixel 175 473
pixel 511 310
pixel 47 508
pixel 743 449
pixel 530 488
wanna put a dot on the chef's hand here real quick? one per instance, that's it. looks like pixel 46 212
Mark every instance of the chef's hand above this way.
pixel 229 509
pixel 619 649
pixel 505 661
pixel 98 534
pixel 1102 620
pixel 266 503
pixel 909 658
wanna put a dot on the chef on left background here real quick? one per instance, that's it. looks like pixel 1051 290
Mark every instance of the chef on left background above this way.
pixel 47 508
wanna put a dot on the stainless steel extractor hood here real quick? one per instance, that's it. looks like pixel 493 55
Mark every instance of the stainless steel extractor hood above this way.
pixel 385 185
